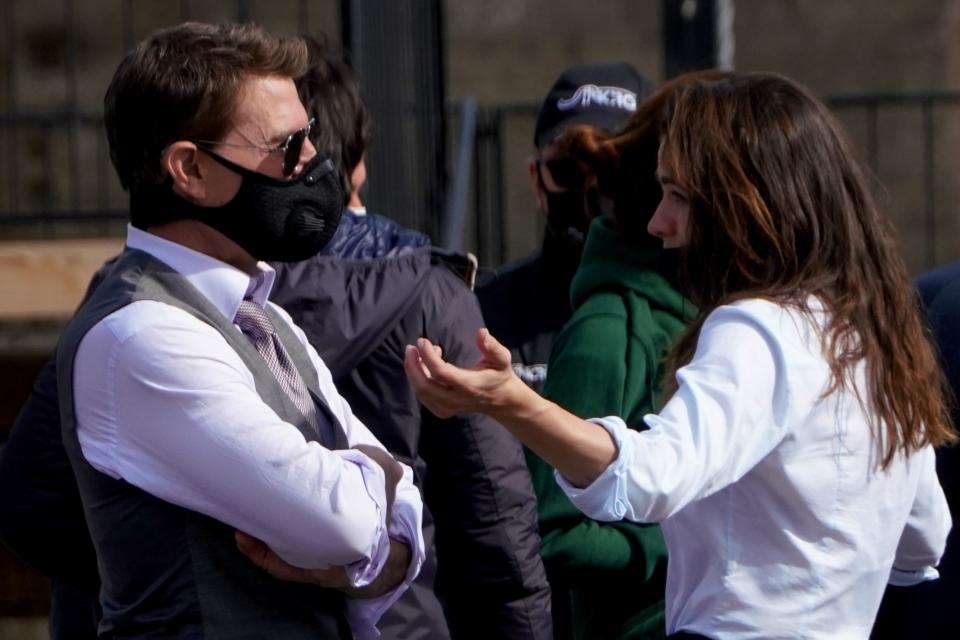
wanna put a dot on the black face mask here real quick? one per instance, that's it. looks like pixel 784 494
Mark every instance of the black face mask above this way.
pixel 271 219
pixel 566 219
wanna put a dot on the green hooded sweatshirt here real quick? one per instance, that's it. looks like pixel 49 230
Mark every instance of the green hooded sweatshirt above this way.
pixel 607 361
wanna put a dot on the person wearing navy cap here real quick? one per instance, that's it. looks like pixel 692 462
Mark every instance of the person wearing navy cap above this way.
pixel 526 303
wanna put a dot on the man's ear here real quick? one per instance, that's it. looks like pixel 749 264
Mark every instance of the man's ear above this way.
pixel 535 184
pixel 181 161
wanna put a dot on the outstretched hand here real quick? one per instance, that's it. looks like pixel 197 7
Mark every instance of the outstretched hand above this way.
pixel 580 450
pixel 448 390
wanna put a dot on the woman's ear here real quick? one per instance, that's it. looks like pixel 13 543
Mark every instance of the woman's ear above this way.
pixel 181 161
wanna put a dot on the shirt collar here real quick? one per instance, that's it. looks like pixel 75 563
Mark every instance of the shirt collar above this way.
pixel 224 285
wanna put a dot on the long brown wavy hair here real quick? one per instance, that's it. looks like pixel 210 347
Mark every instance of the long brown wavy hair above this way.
pixel 620 167
pixel 780 210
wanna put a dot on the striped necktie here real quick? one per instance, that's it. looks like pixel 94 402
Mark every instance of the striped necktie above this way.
pixel 255 324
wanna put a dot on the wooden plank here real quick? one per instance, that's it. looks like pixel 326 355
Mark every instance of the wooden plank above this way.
pixel 45 280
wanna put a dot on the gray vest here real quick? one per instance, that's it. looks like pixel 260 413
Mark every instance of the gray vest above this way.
pixel 167 571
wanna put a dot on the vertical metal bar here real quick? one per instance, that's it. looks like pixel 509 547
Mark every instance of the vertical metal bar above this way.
pixel 73 109
pixel 46 230
pixel 723 17
pixel 126 22
pixel 350 32
pixel 481 184
pixel 12 151
pixel 929 182
pixel 435 108
pixel 873 140
pixel 478 181
pixel 243 10
pixel 456 205
pixel 303 16
pixel 103 198
pixel 499 253
pixel 491 239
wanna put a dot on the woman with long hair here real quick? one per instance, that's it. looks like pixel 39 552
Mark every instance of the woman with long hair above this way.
pixel 608 578
pixel 791 468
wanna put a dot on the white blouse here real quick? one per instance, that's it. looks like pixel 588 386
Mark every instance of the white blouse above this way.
pixel 778 521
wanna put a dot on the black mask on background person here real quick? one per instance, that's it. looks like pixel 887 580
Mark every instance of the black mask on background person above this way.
pixel 566 219
pixel 271 219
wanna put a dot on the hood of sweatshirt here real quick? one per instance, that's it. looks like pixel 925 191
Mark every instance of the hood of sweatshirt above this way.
pixel 612 261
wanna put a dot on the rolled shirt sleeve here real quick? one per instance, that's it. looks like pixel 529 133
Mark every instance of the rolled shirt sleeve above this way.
pixel 924 538
pixel 605 499
pixel 706 437
pixel 406 526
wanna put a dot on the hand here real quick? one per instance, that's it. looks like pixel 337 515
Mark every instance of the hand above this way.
pixel 448 390
pixel 391 576
pixel 264 557
pixel 580 450
pixel 392 471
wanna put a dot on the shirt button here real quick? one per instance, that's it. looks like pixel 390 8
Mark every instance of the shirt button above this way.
pixel 619 508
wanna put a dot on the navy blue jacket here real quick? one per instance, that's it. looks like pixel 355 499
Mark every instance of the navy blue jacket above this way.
pixel 377 288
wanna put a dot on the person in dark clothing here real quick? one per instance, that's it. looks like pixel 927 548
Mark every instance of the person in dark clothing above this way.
pixel 526 303
pixel 41 516
pixel 373 290
pixel 195 415
pixel 375 285
pixel 925 610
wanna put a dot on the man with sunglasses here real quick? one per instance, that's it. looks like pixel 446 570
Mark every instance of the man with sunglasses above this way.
pixel 289 150
pixel 194 412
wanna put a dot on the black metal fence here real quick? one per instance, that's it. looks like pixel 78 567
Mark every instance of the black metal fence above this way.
pixel 929 121
pixel 56 179
pixel 55 174
pixel 906 140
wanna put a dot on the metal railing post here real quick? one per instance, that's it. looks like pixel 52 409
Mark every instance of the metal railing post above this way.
pixel 455 211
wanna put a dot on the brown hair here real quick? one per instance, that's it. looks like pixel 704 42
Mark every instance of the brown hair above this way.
pixel 780 210
pixel 331 93
pixel 620 166
pixel 182 83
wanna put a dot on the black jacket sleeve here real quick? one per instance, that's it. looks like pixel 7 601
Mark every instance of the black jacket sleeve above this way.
pixel 41 515
pixel 490 574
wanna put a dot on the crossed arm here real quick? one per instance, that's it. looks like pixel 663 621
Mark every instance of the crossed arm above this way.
pixel 391 576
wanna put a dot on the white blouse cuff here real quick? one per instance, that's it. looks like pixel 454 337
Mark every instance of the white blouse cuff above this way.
pixel 901 578
pixel 605 499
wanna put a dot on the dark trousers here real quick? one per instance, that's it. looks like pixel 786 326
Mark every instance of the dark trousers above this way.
pixel 74 612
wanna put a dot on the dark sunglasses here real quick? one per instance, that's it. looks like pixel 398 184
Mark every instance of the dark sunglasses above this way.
pixel 290 148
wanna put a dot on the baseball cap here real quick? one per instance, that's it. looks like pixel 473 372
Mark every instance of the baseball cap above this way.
pixel 602 95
